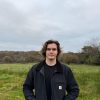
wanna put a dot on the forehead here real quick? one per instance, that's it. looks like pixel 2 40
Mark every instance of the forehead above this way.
pixel 52 45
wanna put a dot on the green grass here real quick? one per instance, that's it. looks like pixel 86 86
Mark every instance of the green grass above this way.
pixel 12 77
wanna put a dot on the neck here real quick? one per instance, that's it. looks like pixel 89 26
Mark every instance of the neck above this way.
pixel 50 62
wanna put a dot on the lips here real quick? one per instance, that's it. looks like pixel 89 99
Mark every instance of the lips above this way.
pixel 51 55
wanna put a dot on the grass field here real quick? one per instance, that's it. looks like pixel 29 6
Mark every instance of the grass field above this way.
pixel 12 77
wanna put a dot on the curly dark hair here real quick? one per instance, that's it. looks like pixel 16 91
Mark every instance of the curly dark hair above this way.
pixel 44 48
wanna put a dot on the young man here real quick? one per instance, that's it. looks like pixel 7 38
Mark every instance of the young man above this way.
pixel 50 79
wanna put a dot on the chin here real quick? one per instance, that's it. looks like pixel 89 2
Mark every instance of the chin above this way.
pixel 51 58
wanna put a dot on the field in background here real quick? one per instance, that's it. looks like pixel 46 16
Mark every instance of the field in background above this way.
pixel 12 77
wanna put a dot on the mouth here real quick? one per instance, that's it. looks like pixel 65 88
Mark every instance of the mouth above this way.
pixel 51 55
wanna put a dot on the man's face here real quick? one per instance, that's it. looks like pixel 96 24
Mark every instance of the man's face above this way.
pixel 51 51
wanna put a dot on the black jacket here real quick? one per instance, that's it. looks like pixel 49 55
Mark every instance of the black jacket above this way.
pixel 63 84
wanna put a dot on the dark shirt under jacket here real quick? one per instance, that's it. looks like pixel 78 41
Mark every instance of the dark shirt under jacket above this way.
pixel 48 70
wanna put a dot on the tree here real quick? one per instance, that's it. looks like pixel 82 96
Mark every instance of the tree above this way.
pixel 92 53
pixel 7 59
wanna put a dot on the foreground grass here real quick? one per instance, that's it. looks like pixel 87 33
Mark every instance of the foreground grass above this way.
pixel 11 80
pixel 12 77
pixel 88 78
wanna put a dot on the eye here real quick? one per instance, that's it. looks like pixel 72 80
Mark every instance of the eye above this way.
pixel 53 49
pixel 48 49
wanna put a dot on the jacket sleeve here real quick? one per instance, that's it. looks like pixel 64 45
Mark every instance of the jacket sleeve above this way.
pixel 72 86
pixel 28 86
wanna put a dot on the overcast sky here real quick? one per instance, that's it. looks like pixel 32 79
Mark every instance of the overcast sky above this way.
pixel 26 24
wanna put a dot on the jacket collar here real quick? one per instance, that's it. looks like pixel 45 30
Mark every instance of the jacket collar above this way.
pixel 42 63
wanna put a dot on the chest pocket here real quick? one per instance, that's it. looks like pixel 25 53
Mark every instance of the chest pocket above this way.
pixel 60 88
pixel 59 85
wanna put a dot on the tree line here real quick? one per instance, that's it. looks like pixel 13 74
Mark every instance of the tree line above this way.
pixel 90 54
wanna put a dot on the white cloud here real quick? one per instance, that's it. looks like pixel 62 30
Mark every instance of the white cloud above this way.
pixel 31 22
